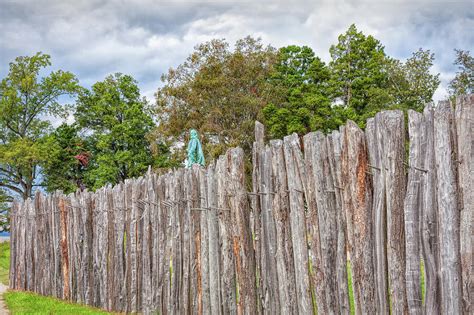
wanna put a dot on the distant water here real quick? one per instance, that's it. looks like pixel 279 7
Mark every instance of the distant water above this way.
pixel 4 234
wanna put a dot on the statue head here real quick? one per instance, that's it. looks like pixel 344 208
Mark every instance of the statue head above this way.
pixel 194 134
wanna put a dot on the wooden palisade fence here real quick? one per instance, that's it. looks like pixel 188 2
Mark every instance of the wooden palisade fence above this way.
pixel 195 241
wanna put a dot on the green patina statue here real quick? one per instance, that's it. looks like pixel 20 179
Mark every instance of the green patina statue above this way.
pixel 195 154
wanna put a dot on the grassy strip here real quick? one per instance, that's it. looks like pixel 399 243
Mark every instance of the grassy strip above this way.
pixel 4 262
pixel 350 287
pixel 19 302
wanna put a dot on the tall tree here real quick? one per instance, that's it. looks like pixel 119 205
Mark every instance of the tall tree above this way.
pixel 358 75
pixel 117 120
pixel 302 80
pixel 218 91
pixel 463 82
pixel 66 160
pixel 25 98
pixel 410 83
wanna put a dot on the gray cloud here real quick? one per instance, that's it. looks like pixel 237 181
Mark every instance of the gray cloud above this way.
pixel 144 38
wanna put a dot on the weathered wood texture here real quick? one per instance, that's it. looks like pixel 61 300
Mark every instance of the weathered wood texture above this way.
pixel 392 142
pixel 449 244
pixel 429 218
pixel 412 207
pixel 195 241
pixel 379 216
pixel 357 199
pixel 464 117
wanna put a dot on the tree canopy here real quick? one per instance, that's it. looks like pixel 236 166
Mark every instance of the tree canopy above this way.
pixel 302 81
pixel 63 168
pixel 116 120
pixel 217 91
pixel 358 77
pixel 25 99
pixel 463 82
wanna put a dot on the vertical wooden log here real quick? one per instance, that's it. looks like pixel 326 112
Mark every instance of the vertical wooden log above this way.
pixel 358 205
pixel 271 302
pixel 242 234
pixel 48 253
pixel 58 276
pixel 162 260
pixel 21 247
pixel 119 244
pixel 103 247
pixel 140 222
pixel 77 245
pixel 320 178
pixel 19 241
pixel 184 257
pixel 391 134
pixel 148 207
pixel 214 240
pixel 64 248
pixel 74 245
pixel 334 147
pixel 284 249
pixel 89 203
pixel 135 242
pixel 14 219
pixel 379 215
pixel 464 115
pixel 195 269
pixel 39 249
pixel 445 157
pixel 429 219
pixel 29 244
pixel 257 157
pixel 172 237
pixel 110 241
pixel 412 206
pixel 127 246
pixel 204 215
pixel 227 259
pixel 49 262
pixel 159 245
pixel 22 243
pixel 316 229
pixel 296 180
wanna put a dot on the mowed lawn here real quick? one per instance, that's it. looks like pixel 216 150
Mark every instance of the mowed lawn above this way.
pixel 20 302
pixel 4 262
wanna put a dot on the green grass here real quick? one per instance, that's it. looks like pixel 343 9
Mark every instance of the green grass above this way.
pixel 4 262
pixel 351 291
pixel 20 302
pixel 422 281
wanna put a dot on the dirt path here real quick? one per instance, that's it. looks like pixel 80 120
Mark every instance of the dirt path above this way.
pixel 3 308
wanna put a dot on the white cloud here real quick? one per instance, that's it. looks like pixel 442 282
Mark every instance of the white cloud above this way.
pixel 144 38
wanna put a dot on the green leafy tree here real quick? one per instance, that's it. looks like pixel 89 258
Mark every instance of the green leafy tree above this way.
pixel 4 206
pixel 219 92
pixel 302 80
pixel 358 77
pixel 25 98
pixel 67 160
pixel 117 120
pixel 410 83
pixel 463 82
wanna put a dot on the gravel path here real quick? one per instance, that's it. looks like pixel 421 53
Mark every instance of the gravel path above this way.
pixel 3 308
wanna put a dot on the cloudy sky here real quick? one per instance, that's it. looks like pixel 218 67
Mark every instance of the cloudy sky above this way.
pixel 93 38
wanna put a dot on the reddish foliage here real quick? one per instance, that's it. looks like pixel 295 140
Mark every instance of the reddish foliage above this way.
pixel 83 158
